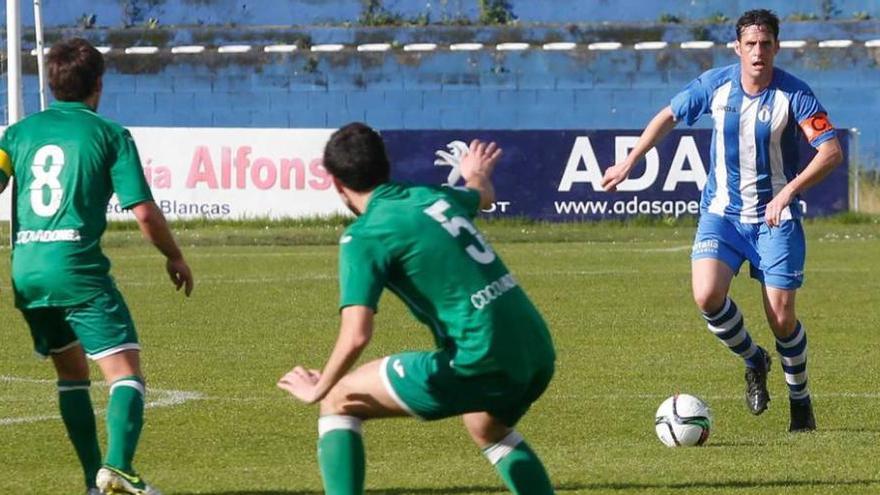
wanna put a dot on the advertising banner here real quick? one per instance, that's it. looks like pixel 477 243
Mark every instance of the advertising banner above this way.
pixel 222 173
pixel 226 173
pixel 557 175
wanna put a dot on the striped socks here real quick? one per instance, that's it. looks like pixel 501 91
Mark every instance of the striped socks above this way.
pixel 729 326
pixel 793 350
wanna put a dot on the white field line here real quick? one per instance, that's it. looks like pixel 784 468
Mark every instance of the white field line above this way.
pixel 296 253
pixel 223 280
pixel 167 398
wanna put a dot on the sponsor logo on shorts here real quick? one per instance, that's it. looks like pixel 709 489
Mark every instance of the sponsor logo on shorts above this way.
pixel 707 246
pixel 62 235
pixel 496 289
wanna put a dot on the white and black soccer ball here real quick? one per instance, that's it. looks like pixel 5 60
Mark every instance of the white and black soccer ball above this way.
pixel 682 421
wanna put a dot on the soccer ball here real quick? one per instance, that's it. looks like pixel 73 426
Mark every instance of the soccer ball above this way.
pixel 683 420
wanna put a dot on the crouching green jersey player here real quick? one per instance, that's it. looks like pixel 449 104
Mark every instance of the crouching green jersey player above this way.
pixel 494 355
pixel 67 162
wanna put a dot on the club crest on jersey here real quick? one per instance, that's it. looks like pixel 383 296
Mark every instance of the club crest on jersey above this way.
pixel 764 113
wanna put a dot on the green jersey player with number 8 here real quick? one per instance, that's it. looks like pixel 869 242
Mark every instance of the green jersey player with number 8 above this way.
pixel 67 162
pixel 494 354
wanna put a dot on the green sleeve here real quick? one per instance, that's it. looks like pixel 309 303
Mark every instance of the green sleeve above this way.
pixel 127 174
pixel 363 271
pixel 467 198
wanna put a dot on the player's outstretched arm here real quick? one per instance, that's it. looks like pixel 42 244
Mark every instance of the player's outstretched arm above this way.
pixel 828 156
pixel 476 168
pixel 355 332
pixel 155 229
pixel 657 129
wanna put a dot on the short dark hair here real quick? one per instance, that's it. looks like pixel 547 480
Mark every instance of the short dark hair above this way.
pixel 758 17
pixel 74 67
pixel 355 154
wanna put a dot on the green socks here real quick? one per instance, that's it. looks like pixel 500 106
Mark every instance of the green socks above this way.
pixel 79 419
pixel 519 466
pixel 125 418
pixel 343 462
pixel 341 455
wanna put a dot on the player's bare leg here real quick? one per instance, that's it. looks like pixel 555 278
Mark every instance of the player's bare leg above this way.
pixel 362 394
pixel 358 396
pixel 519 466
pixel 125 419
pixel 791 343
pixel 779 308
pixel 710 279
pixel 77 413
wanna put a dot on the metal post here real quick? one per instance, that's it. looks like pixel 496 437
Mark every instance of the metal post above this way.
pixel 41 65
pixel 13 55
pixel 854 159
pixel 14 100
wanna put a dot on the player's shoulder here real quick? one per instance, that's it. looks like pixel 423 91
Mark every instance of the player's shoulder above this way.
pixel 718 76
pixel 109 125
pixel 396 210
pixel 396 199
pixel 365 235
pixel 789 83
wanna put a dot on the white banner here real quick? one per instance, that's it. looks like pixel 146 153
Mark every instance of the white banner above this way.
pixel 227 173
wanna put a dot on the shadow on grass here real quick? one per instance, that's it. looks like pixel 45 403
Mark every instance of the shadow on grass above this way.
pixel 869 431
pixel 571 487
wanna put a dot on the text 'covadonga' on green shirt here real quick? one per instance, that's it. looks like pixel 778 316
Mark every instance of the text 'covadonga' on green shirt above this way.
pixel 419 242
pixel 67 162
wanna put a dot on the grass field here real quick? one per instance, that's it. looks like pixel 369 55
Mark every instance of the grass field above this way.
pixel 617 298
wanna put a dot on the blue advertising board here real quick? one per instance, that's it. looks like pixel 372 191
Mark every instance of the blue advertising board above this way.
pixel 556 175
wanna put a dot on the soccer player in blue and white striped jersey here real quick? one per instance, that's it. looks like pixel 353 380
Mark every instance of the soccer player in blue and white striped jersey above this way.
pixel 750 206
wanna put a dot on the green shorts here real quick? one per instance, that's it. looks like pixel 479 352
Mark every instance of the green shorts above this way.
pixel 102 325
pixel 426 386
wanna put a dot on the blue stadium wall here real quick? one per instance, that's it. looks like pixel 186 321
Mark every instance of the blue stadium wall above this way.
pixel 445 89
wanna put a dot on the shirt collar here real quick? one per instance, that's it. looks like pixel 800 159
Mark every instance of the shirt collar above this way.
pixel 69 105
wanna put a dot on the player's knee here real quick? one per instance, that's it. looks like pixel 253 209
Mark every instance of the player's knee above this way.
pixel 338 401
pixel 485 429
pixel 71 366
pixel 709 301
pixel 782 323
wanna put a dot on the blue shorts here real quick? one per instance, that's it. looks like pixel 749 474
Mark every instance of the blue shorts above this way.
pixel 776 254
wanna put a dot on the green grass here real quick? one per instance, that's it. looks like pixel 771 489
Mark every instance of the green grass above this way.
pixel 617 297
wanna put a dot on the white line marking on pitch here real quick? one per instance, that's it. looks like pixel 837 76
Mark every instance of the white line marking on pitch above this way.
pixel 167 398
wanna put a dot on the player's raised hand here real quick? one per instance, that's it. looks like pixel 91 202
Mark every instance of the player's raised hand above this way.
pixel 180 275
pixel 480 159
pixel 614 175
pixel 301 383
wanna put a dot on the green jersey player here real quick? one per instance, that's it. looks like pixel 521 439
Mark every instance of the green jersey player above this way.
pixel 494 354
pixel 67 162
